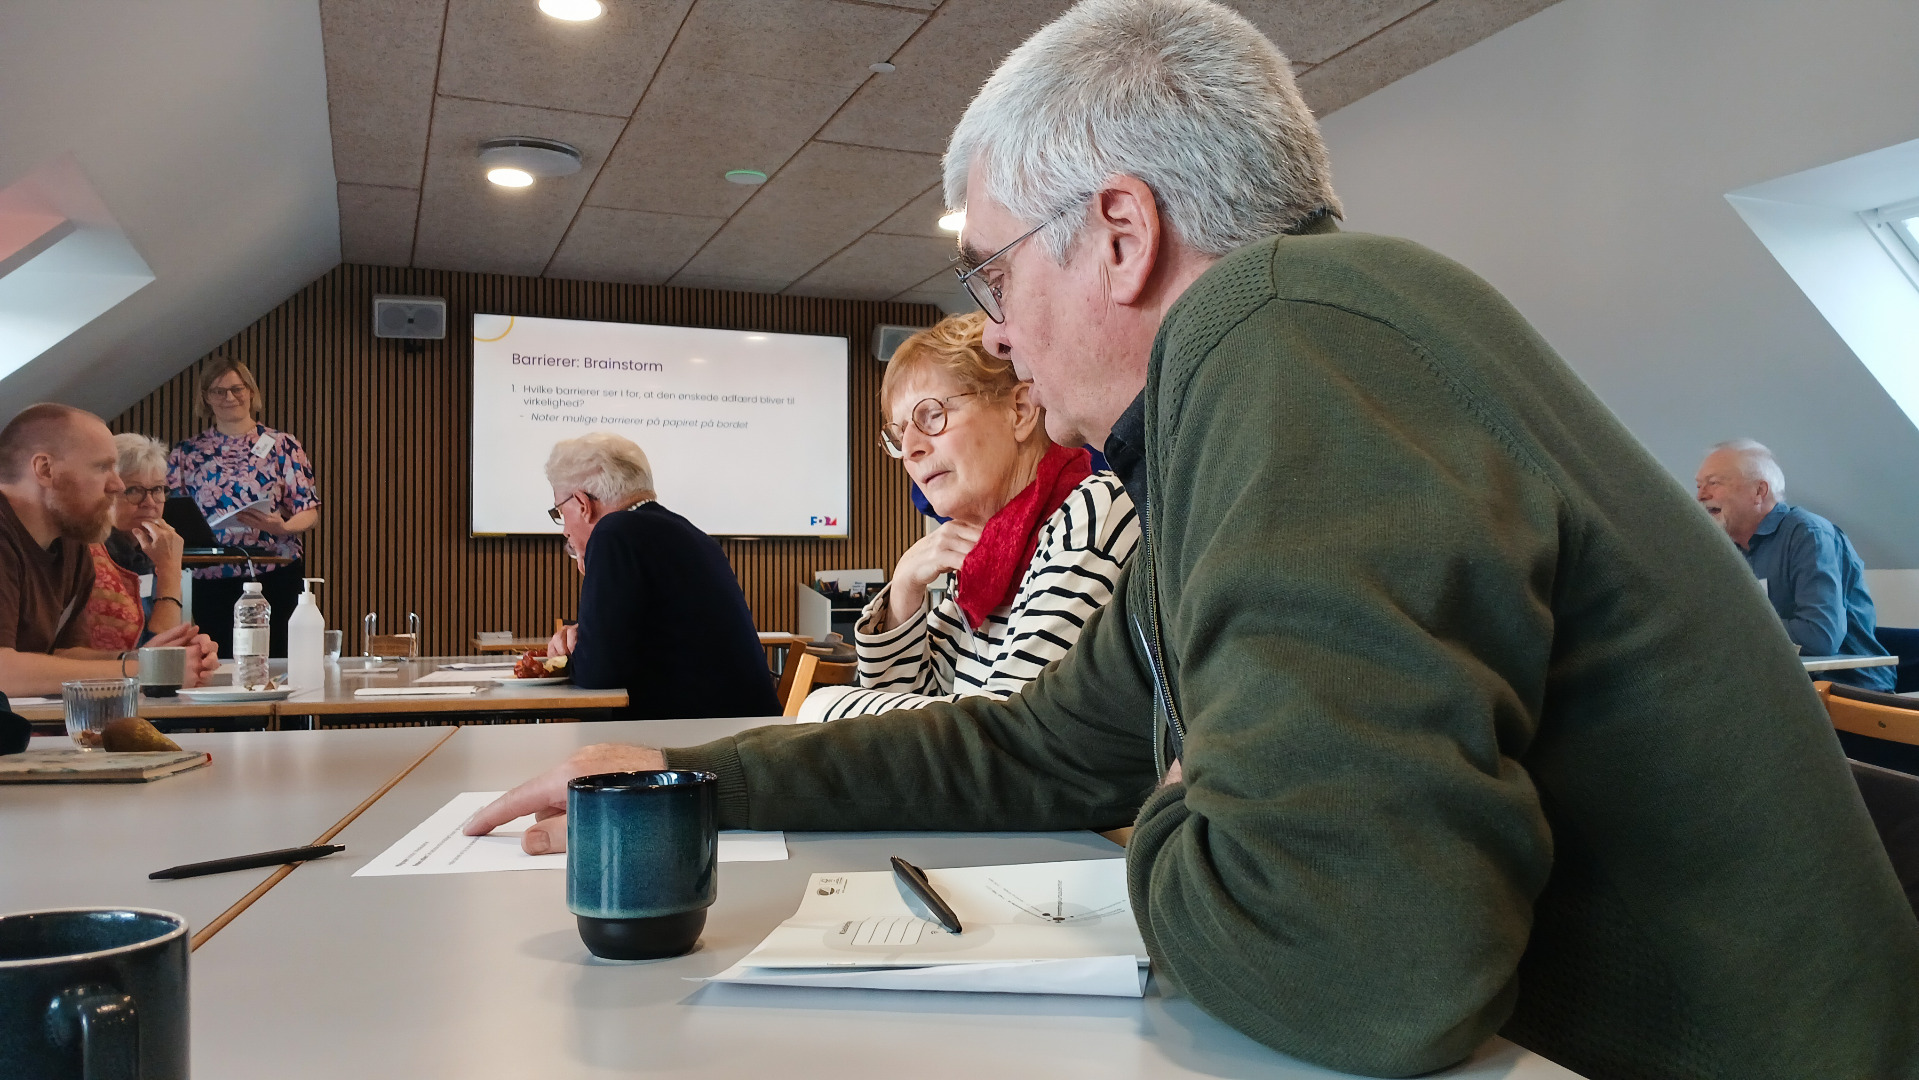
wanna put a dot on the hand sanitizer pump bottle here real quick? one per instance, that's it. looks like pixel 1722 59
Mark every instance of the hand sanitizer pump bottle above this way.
pixel 306 642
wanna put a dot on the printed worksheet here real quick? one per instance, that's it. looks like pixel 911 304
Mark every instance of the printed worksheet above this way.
pixel 437 846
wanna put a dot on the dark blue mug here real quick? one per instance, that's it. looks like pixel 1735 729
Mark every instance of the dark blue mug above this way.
pixel 94 993
pixel 642 860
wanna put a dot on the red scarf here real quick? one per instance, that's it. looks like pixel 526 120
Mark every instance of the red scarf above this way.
pixel 990 576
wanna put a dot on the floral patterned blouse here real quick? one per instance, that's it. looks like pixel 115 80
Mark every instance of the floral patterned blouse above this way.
pixel 225 472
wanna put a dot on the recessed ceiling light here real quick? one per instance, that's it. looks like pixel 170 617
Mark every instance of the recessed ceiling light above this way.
pixel 516 161
pixel 953 220
pixel 880 68
pixel 745 176
pixel 573 10
pixel 756 337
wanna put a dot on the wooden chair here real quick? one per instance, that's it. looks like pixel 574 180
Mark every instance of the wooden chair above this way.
pixel 809 671
pixel 1891 796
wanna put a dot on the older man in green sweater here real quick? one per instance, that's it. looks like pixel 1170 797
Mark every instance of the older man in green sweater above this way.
pixel 1439 707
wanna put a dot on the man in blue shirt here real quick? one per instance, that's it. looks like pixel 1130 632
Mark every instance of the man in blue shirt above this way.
pixel 1810 572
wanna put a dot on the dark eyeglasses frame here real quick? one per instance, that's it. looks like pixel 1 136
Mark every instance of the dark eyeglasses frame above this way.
pixel 987 294
pixel 554 510
pixel 891 434
pixel 137 495
pixel 228 393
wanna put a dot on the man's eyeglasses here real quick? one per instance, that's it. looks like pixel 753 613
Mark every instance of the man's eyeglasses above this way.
pixel 227 393
pixel 554 511
pixel 137 495
pixel 929 416
pixel 987 294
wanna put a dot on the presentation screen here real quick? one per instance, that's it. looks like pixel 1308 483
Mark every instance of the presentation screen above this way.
pixel 746 431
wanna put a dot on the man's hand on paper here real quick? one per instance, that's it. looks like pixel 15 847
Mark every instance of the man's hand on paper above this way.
pixel 544 796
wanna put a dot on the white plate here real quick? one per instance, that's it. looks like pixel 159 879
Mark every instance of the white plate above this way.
pixel 223 695
pixel 510 680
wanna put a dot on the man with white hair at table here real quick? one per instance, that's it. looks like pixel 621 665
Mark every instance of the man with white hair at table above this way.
pixel 1814 580
pixel 661 614
pixel 1408 689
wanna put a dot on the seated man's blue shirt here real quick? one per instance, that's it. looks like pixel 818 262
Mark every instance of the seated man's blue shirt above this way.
pixel 662 615
pixel 1817 585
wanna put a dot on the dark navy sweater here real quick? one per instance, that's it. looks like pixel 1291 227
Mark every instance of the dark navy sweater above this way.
pixel 662 615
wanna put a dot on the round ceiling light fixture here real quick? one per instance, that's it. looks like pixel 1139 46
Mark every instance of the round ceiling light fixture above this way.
pixel 953 221
pixel 745 176
pixel 573 10
pixel 882 68
pixel 517 161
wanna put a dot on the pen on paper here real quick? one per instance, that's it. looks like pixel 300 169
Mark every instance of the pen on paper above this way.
pixel 915 880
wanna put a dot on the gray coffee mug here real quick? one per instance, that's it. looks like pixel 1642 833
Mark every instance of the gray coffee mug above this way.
pixel 642 860
pixel 163 670
pixel 94 993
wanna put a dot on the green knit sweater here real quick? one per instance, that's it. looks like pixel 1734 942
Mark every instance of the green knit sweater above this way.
pixel 1484 725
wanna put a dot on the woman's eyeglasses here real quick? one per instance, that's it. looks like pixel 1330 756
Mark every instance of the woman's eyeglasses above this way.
pixel 227 393
pixel 929 416
pixel 137 495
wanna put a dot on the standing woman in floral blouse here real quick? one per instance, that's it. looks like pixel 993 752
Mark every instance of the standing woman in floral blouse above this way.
pixel 235 462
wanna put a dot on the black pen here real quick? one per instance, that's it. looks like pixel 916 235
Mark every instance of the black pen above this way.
pixel 915 879
pixel 247 862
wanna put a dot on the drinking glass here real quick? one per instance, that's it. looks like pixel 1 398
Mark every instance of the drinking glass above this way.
pixel 92 704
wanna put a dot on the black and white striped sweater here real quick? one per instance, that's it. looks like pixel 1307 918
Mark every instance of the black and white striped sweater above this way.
pixel 935 656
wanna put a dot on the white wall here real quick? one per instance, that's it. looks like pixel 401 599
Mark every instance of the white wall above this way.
pixel 202 124
pixel 1579 160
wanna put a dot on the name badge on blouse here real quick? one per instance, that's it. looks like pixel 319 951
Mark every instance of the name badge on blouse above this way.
pixel 263 446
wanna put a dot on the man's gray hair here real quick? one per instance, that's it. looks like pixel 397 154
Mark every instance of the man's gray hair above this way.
pixel 1756 463
pixel 138 453
pixel 1186 95
pixel 609 467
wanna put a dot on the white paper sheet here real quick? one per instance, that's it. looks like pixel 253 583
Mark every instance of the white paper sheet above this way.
pixel 449 675
pixel 257 504
pixel 436 845
pixel 34 700
pixel 443 690
pixel 1102 976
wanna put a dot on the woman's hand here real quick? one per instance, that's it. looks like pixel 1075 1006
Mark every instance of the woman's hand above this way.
pixel 938 552
pixel 160 543
pixel 262 521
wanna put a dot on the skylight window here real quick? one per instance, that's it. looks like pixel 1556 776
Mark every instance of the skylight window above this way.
pixel 1896 227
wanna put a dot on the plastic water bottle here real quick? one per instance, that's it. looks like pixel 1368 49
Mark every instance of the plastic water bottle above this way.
pixel 252 623
pixel 306 642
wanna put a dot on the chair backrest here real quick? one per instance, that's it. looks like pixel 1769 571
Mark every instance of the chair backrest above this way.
pixel 810 671
pixel 1892 798
pixel 1871 713
pixel 1902 642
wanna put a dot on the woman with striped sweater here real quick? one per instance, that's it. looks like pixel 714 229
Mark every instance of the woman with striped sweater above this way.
pixel 1036 539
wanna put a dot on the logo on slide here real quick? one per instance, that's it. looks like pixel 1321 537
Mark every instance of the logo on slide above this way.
pixel 822 520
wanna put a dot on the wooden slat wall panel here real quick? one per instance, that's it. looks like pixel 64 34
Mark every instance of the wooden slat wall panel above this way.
pixel 389 434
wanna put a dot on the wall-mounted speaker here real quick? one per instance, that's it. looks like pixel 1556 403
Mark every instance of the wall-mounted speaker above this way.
pixel 887 339
pixel 414 317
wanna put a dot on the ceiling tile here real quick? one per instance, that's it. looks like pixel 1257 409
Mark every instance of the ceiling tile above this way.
pixel 1309 31
pixel 726 282
pixel 1433 33
pixel 877 267
pixel 510 52
pixel 381 56
pixel 467 223
pixel 800 40
pixel 942 290
pixel 915 107
pixel 698 122
pixel 376 224
pixel 921 217
pixel 628 245
pixel 824 199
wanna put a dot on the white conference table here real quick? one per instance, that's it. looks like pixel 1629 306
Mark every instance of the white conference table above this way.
pixel 1836 663
pixel 93 845
pixel 483 975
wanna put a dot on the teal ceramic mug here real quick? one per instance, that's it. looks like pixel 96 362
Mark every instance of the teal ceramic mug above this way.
pixel 94 993
pixel 642 862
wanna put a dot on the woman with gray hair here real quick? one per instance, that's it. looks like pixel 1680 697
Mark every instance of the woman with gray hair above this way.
pixel 661 614
pixel 136 584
